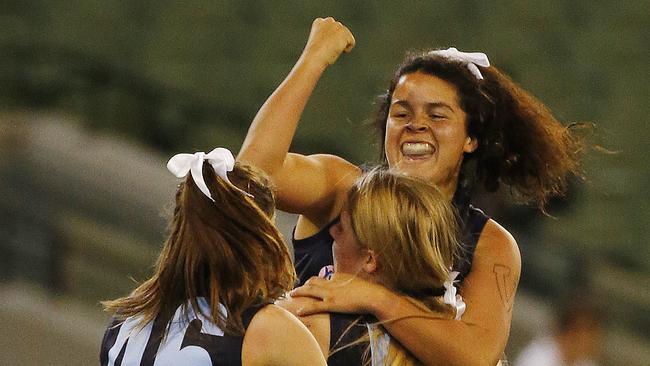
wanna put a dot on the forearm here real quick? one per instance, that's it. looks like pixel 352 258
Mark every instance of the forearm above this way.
pixel 274 126
pixel 432 339
pixel 269 137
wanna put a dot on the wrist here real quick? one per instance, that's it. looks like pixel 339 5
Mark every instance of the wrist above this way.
pixel 382 303
pixel 311 63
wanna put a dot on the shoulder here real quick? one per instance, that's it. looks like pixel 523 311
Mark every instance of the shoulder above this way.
pixel 344 172
pixel 328 163
pixel 326 182
pixel 317 324
pixel 267 320
pixel 321 176
pixel 497 245
pixel 271 332
pixel 496 268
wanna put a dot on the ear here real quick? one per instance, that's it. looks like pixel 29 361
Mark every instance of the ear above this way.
pixel 471 143
pixel 371 264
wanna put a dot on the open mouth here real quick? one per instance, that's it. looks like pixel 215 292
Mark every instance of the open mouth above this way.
pixel 417 150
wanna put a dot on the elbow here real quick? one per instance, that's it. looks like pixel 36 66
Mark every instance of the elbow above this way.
pixel 269 165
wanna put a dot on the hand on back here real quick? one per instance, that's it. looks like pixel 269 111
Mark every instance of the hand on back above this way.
pixel 344 293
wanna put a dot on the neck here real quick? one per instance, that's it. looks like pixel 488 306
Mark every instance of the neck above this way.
pixel 449 190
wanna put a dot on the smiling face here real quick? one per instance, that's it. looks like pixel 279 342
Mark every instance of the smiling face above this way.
pixel 426 132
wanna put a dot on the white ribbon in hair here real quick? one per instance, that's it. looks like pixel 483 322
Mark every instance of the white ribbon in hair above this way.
pixel 451 298
pixel 471 59
pixel 221 160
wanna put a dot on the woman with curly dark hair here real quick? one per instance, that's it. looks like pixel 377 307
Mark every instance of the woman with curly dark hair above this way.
pixel 450 118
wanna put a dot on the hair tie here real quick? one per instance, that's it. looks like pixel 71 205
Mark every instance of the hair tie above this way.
pixel 221 160
pixel 451 298
pixel 471 59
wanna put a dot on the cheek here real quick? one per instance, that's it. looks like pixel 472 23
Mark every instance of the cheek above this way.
pixel 391 140
pixel 340 257
pixel 454 138
pixel 346 259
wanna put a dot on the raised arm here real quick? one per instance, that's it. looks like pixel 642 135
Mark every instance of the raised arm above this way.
pixel 303 183
pixel 478 339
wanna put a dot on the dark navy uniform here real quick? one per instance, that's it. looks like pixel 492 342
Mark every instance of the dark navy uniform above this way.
pixel 315 252
pixel 345 331
pixel 185 339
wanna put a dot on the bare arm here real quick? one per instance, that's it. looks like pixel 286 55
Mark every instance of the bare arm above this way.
pixel 276 337
pixel 318 324
pixel 271 132
pixel 478 339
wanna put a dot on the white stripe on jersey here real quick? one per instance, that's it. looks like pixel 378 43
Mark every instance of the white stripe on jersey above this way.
pixel 169 352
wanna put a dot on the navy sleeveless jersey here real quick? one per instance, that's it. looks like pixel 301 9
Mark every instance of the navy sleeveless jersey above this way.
pixel 185 339
pixel 345 331
pixel 315 252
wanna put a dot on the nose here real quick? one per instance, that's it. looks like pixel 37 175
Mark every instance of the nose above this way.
pixel 415 125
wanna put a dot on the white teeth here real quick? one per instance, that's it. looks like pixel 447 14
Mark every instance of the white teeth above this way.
pixel 417 148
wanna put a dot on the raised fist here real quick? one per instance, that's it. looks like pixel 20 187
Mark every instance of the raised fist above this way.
pixel 327 40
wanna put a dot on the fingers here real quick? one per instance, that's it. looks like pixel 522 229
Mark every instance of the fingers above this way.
pixel 347 34
pixel 328 39
pixel 313 307
pixel 311 288
pixel 351 41
pixel 316 281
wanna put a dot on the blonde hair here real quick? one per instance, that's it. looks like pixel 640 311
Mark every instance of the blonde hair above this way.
pixel 413 229
pixel 228 251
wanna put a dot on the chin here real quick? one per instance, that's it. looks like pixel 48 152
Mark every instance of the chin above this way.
pixel 422 170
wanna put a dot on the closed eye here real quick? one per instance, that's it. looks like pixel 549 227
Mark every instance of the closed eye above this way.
pixel 399 115
pixel 437 116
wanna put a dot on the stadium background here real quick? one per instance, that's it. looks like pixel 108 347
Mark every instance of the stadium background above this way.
pixel 96 95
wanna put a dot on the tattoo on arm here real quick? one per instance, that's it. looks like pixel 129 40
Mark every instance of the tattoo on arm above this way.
pixel 504 279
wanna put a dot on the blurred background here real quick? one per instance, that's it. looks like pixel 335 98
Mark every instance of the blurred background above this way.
pixel 95 96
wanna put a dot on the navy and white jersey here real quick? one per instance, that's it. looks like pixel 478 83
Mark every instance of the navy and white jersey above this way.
pixel 191 339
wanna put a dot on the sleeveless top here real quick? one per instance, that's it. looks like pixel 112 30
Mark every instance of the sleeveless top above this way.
pixel 190 339
pixel 345 330
pixel 313 253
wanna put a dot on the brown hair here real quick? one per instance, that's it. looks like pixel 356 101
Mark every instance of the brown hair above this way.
pixel 228 251
pixel 520 143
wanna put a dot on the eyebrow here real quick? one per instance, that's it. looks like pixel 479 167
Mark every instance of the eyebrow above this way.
pixel 404 103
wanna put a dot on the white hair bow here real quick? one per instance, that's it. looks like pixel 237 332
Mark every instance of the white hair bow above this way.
pixel 471 59
pixel 221 160
pixel 451 298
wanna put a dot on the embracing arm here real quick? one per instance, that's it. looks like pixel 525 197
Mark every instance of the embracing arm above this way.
pixel 489 291
pixel 301 181
pixel 478 339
